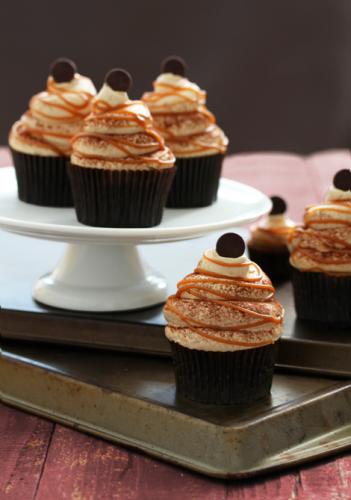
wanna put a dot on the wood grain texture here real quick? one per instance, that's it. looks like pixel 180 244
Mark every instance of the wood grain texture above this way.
pixel 82 467
pixel 24 442
pixel 44 461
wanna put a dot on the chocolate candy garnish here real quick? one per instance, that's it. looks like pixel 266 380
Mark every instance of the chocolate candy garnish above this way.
pixel 342 180
pixel 119 80
pixel 175 65
pixel 279 206
pixel 230 245
pixel 63 70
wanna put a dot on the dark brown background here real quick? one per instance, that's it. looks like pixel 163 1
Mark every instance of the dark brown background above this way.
pixel 277 72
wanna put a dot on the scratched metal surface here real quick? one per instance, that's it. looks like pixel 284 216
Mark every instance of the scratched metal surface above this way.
pixel 131 400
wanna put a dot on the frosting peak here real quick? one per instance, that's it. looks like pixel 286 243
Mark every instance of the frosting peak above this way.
pixel 119 133
pixel 54 116
pixel 213 264
pixel 67 102
pixel 323 244
pixel 179 110
pixel 335 194
pixel 111 97
pixel 176 93
pixel 272 231
pixel 226 304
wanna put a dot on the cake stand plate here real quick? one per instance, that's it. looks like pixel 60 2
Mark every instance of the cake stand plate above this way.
pixel 102 268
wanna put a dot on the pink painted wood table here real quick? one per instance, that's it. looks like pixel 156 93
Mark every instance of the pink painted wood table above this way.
pixel 46 461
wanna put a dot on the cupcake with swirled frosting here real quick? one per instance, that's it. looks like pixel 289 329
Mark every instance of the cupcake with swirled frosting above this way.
pixel 223 324
pixel 321 257
pixel 121 170
pixel 178 107
pixel 268 243
pixel 40 141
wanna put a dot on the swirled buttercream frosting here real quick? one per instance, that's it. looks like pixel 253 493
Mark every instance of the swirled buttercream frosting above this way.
pixel 227 304
pixel 323 244
pixel 119 133
pixel 54 116
pixel 178 107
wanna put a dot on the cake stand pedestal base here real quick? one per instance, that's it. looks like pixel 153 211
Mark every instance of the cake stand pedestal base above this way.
pixel 101 278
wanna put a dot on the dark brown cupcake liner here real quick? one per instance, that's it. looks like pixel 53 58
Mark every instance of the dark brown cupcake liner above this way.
pixel 275 263
pixel 223 378
pixel 120 198
pixel 42 180
pixel 195 182
pixel 322 298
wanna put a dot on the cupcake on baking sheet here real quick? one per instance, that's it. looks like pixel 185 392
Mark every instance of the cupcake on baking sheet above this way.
pixel 121 171
pixel 222 325
pixel 321 257
pixel 40 140
pixel 268 243
pixel 178 107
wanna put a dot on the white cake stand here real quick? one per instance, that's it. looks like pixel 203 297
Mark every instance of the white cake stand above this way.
pixel 101 269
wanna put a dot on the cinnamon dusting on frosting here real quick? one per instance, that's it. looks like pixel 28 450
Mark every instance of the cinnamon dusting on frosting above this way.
pixel 231 307
pixel 323 244
pixel 119 133
pixel 178 107
pixel 54 116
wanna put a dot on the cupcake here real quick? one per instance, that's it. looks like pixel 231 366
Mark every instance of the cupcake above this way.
pixel 40 140
pixel 268 243
pixel 120 170
pixel 321 258
pixel 223 324
pixel 178 107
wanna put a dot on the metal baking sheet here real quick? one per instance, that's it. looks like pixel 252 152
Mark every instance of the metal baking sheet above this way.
pixel 131 400
pixel 304 347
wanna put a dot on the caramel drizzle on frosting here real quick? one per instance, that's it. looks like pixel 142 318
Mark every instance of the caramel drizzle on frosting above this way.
pixel 249 264
pixel 73 111
pixel 222 340
pixel 322 234
pixel 194 325
pixel 172 91
pixel 196 142
pixel 233 303
pixel 198 145
pixel 38 136
pixel 122 114
pixel 192 287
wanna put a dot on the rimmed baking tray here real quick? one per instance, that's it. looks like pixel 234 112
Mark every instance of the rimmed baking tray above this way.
pixel 131 400
pixel 304 347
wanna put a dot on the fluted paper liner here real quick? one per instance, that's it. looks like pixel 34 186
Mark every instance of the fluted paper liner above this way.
pixel 224 378
pixel 322 298
pixel 120 198
pixel 196 182
pixel 42 180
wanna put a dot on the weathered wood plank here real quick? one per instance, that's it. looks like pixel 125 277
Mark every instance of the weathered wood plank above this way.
pixel 328 479
pixel 24 441
pixel 331 479
pixel 275 174
pixel 75 466
pixel 83 467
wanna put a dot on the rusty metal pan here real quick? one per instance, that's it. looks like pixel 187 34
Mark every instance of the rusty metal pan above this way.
pixel 131 400
pixel 304 347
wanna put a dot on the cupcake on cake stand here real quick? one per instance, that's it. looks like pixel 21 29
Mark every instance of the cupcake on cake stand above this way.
pixel 102 269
